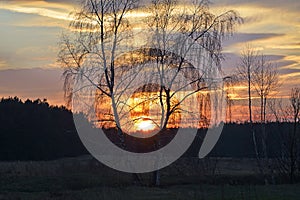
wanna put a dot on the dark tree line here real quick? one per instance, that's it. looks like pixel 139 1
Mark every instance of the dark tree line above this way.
pixel 34 130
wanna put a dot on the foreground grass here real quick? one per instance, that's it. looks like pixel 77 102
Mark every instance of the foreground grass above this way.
pixel 81 187
pixel 204 192
pixel 86 179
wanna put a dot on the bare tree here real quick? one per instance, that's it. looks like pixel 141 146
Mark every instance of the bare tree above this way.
pixel 246 68
pixel 259 75
pixel 98 32
pixel 230 82
pixel 277 109
pixel 99 28
pixel 177 33
pixel 294 135
pixel 290 138
pixel 265 81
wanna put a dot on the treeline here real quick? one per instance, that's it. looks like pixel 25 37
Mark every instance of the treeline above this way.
pixel 237 140
pixel 34 130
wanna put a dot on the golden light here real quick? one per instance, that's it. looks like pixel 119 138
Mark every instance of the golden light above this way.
pixel 145 125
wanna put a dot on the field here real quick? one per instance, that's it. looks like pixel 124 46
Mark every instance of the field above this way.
pixel 37 190
pixel 85 178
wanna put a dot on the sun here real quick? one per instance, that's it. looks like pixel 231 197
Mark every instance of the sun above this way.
pixel 144 125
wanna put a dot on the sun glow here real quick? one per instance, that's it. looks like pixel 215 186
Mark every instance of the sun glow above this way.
pixel 144 125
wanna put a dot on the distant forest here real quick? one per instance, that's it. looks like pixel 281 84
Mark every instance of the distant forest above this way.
pixel 35 130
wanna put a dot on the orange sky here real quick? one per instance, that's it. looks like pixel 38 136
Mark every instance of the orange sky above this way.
pixel 30 32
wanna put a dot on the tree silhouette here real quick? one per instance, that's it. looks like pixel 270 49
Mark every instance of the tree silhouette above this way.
pixel 101 55
pixel 34 130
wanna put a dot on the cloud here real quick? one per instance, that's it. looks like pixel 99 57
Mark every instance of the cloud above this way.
pixel 250 37
pixel 57 11
pixel 286 47
pixel 287 4
pixel 30 28
pixel 289 71
pixel 3 64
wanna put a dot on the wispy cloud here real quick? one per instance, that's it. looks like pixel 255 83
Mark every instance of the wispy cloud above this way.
pixel 3 64
pixel 42 8
pixel 31 27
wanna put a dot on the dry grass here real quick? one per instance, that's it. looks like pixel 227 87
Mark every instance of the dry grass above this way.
pixel 188 178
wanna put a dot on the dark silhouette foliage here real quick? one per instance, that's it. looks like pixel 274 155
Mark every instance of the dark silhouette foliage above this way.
pixel 34 130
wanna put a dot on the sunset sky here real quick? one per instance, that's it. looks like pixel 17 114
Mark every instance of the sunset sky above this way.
pixel 31 29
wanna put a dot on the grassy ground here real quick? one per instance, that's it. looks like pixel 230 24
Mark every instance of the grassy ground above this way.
pixel 86 179
pixel 46 189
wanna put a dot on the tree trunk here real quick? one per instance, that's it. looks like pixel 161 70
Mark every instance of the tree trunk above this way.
pixel 156 178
